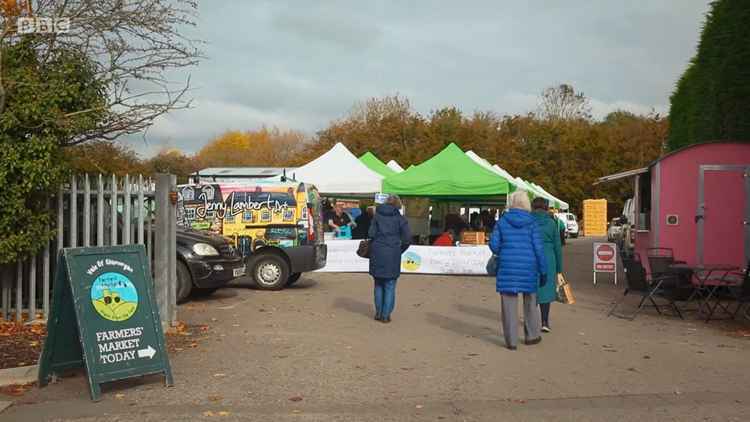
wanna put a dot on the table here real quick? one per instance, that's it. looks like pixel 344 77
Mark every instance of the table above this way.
pixel 418 259
pixel 707 284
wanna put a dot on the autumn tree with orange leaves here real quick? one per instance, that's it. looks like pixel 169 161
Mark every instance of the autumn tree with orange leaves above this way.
pixel 261 148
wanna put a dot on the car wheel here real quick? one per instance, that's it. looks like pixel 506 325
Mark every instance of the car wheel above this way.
pixel 270 272
pixel 184 282
pixel 293 278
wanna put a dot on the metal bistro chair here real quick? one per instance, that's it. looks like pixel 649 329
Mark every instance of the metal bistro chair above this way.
pixel 737 288
pixel 661 260
pixel 637 281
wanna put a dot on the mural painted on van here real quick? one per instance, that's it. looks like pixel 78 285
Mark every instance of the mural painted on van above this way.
pixel 279 214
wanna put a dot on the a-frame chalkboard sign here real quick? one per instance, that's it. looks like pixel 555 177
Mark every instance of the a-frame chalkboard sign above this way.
pixel 104 318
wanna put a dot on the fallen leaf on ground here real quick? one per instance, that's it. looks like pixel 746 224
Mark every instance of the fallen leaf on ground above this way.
pixel 120 396
pixel 223 413
pixel 208 413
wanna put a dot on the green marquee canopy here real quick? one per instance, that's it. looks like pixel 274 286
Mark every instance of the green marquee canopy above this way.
pixel 449 173
pixel 373 163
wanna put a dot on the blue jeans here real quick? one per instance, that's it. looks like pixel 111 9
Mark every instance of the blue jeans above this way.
pixel 385 297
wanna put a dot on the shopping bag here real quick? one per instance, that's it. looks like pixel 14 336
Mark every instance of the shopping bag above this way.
pixel 564 291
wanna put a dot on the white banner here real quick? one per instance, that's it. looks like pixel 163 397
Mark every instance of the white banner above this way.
pixel 465 260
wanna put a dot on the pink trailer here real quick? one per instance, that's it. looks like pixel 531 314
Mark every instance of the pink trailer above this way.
pixel 695 201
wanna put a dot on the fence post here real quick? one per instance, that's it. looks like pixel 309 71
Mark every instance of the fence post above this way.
pixel 74 211
pixel 5 283
pixel 165 251
pixel 19 291
pixel 126 212
pixel 172 248
pixel 86 211
pixel 113 206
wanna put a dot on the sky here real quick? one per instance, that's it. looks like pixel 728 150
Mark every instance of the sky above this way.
pixel 301 64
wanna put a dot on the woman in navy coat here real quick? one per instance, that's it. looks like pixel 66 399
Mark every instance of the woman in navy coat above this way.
pixel 520 267
pixel 391 237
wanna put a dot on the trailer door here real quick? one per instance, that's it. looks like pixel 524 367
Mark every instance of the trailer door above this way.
pixel 723 215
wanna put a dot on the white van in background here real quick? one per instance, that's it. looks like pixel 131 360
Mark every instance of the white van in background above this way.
pixel 571 223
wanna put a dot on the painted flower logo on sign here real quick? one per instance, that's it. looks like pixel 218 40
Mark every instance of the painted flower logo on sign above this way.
pixel 114 296
pixel 411 261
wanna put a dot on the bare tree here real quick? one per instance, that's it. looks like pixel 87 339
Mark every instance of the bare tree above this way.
pixel 136 46
pixel 564 103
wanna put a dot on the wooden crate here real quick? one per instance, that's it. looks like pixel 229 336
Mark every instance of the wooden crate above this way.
pixel 473 238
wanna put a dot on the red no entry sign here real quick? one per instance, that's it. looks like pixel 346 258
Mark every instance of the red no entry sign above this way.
pixel 604 258
pixel 605 252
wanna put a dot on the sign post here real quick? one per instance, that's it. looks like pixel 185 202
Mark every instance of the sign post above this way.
pixel 605 259
pixel 104 318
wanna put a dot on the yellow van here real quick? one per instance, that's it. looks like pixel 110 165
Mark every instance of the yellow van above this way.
pixel 275 225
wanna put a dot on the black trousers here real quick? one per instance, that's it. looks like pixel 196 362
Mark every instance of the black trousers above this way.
pixel 545 313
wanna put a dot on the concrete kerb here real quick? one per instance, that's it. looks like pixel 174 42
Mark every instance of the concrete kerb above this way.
pixel 18 376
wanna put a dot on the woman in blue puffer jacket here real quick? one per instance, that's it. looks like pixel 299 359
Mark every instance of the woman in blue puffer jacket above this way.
pixel 521 266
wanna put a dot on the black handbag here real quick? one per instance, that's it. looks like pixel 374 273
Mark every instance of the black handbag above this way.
pixel 364 249
pixel 492 265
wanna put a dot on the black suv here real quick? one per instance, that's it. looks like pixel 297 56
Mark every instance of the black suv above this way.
pixel 205 262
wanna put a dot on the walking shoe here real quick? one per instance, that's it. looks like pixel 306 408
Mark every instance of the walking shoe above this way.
pixel 377 317
pixel 533 341
pixel 511 347
pixel 545 329
pixel 385 320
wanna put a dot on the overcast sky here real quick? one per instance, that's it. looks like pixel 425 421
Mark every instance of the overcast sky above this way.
pixel 301 64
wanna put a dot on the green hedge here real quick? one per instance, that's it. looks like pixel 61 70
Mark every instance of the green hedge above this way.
pixel 712 98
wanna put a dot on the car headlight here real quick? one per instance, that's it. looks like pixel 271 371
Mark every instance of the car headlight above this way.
pixel 204 249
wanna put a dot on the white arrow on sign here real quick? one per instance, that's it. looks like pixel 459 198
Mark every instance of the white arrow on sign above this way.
pixel 148 352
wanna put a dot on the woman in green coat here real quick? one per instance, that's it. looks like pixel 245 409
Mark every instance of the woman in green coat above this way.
pixel 553 254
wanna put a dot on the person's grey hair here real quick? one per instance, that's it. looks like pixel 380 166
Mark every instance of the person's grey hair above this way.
pixel 394 200
pixel 519 199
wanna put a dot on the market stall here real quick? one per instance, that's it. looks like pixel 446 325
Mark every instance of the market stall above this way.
pixel 339 173
pixel 434 191
pixel 449 174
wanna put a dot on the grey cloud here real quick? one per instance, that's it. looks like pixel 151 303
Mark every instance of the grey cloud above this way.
pixel 301 64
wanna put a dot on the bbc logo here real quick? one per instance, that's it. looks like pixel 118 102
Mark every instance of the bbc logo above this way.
pixel 43 25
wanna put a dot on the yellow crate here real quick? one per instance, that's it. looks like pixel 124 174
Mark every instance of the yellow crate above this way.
pixel 595 217
pixel 473 238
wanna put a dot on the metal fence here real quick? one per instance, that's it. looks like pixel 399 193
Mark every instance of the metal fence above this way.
pixel 91 211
